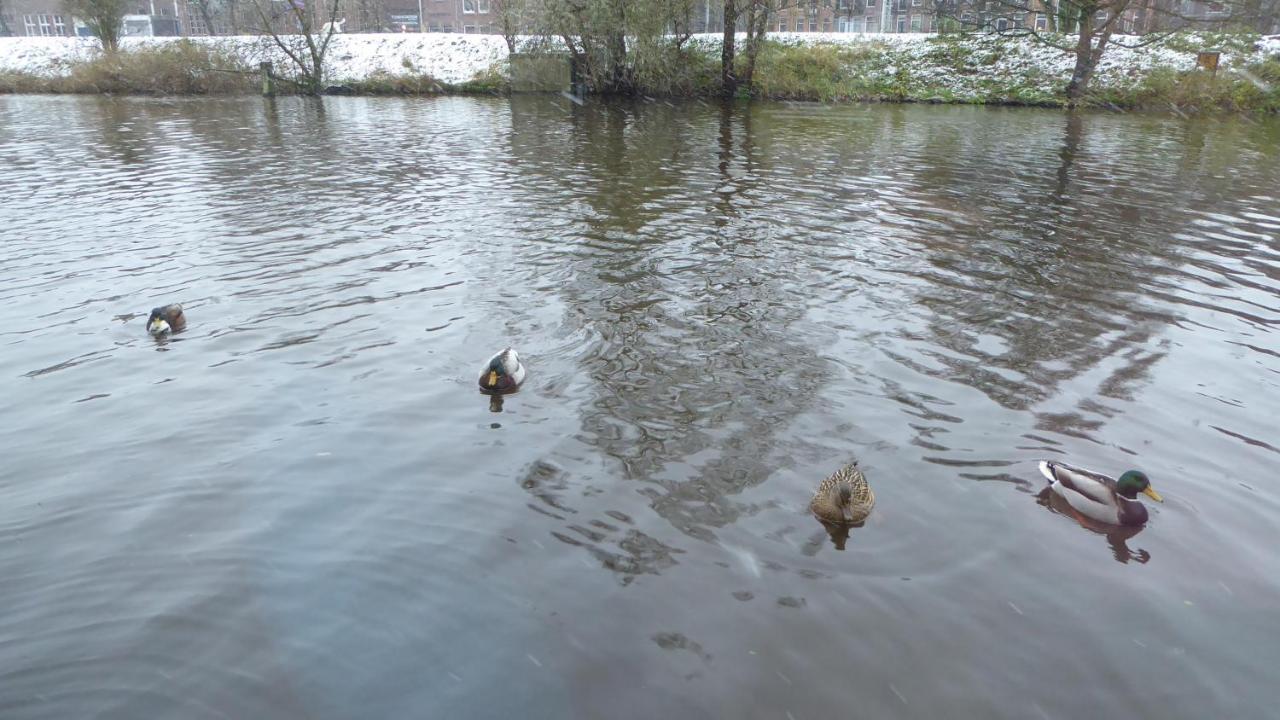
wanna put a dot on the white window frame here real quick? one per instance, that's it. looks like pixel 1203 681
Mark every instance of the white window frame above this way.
pixel 482 6
pixel 30 26
pixel 799 24
pixel 468 7
pixel 917 24
pixel 1042 21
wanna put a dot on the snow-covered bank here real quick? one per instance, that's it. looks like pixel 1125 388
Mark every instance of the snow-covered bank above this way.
pixel 448 57
pixel 970 68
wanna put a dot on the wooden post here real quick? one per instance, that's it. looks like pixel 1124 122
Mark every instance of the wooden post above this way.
pixel 268 82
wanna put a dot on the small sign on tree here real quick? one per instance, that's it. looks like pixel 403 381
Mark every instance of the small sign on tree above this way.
pixel 1208 60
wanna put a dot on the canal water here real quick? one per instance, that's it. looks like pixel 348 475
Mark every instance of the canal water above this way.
pixel 302 507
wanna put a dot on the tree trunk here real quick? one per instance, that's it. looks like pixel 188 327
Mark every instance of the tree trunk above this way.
pixel 233 17
pixel 617 46
pixel 109 32
pixel 203 7
pixel 508 26
pixel 728 75
pixel 757 26
pixel 1083 72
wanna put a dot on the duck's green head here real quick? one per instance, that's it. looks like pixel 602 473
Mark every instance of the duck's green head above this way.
pixel 1135 481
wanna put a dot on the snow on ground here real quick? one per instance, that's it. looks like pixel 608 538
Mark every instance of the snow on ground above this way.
pixel 447 57
pixel 453 58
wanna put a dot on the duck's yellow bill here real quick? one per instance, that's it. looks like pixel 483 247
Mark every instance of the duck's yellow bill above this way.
pixel 493 378
pixel 1151 493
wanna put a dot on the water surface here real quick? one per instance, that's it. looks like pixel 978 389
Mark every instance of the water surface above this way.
pixel 302 507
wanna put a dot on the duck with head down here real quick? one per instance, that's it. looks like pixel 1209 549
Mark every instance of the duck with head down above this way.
pixel 503 373
pixel 844 498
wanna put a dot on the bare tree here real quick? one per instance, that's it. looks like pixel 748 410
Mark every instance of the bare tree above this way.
pixel 104 18
pixel 206 14
pixel 728 51
pixel 759 15
pixel 301 33
pixel 509 20
pixel 1091 26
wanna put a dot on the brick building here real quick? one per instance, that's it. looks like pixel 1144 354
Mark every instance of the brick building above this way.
pixel 182 17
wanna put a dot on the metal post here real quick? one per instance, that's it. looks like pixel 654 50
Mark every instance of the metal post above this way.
pixel 268 83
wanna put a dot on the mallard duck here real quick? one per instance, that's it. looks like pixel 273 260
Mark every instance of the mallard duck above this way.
pixel 165 319
pixel 503 373
pixel 1097 496
pixel 845 497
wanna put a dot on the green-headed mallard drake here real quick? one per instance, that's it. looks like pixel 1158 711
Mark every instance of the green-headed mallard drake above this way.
pixel 503 373
pixel 845 497
pixel 166 319
pixel 1097 496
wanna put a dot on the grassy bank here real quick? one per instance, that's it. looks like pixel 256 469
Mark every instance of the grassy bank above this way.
pixel 969 72
pixel 179 68
pixel 950 69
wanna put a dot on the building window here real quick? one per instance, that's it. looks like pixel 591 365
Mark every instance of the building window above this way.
pixel 800 25
pixel 59 27
pixel 916 3
pixel 902 23
pixel 483 5
pixel 43 25
pixel 782 25
pixel 1002 24
pixel 902 4
pixel 1042 21
pixel 813 25
pixel 916 24
pixel 872 25
pixel 871 4
pixel 469 29
pixel 469 6
pixel 842 25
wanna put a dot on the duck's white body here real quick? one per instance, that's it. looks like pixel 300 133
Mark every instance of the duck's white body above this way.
pixel 503 373
pixel 1092 494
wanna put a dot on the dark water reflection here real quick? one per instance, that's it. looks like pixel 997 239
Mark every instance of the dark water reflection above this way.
pixel 301 506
